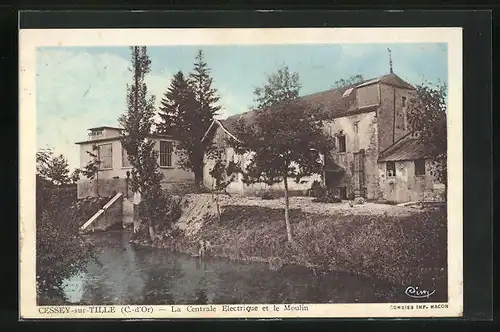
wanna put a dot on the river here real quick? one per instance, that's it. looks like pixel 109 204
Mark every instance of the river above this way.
pixel 125 273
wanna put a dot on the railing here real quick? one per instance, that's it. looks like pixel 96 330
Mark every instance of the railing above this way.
pixel 100 212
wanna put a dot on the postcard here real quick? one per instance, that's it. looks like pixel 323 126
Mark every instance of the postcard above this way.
pixel 240 173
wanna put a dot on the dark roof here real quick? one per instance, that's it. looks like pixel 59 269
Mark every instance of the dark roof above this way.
pixel 390 79
pixel 105 127
pixel 407 148
pixel 331 102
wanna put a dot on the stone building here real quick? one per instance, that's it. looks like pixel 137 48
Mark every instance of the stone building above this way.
pixel 369 123
pixel 105 143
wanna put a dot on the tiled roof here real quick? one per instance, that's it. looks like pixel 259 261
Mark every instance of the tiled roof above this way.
pixel 408 148
pixel 332 102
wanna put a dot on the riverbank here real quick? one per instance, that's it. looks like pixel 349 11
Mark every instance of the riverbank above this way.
pixel 397 245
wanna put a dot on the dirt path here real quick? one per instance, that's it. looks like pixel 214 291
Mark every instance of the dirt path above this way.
pixel 305 204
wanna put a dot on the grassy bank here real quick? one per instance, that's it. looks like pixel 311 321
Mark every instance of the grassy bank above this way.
pixel 403 250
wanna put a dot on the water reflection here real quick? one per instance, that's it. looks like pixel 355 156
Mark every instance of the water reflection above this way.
pixel 128 274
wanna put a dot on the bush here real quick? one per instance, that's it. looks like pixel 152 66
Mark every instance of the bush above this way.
pixel 161 208
pixel 316 189
pixel 327 196
pixel 60 251
pixel 359 200
pixel 267 195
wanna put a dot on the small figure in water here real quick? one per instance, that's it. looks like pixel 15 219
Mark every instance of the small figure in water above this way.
pixel 203 248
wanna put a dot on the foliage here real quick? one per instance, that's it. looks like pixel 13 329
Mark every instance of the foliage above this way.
pixel 351 80
pixel 60 253
pixel 267 195
pixel 91 170
pixel 161 209
pixel 137 123
pixel 403 250
pixel 316 189
pixel 281 86
pixel 285 140
pixel 427 118
pixel 187 110
pixel 222 172
pixel 325 195
pixel 52 168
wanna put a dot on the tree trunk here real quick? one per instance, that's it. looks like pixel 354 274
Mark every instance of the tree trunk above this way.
pixel 198 177
pixel 287 220
pixel 97 184
pixel 218 207
pixel 151 231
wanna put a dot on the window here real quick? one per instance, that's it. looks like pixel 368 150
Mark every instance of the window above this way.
pixel 165 154
pixel 355 127
pixel 403 101
pixel 419 167
pixel 391 168
pixel 95 134
pixel 105 155
pixel 125 161
pixel 341 141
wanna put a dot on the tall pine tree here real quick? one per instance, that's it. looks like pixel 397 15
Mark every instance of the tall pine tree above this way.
pixel 188 108
pixel 137 124
pixel 179 112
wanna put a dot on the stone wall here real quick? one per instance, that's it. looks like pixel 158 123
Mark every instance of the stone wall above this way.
pixel 406 187
pixel 179 188
pixel 360 132
pixel 102 187
pixel 392 123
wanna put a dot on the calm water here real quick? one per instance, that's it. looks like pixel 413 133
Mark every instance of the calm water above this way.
pixel 128 274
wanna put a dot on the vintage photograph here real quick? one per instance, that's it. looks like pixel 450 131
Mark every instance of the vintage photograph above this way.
pixel 206 175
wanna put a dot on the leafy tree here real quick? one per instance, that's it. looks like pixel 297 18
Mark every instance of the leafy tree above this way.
pixel 222 172
pixel 282 85
pixel 52 168
pixel 60 253
pixel 351 80
pixel 91 169
pixel 184 118
pixel 137 124
pixel 427 118
pixel 206 97
pixel 286 139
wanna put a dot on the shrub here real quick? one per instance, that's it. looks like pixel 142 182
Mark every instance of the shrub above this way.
pixel 204 190
pixel 327 196
pixel 316 189
pixel 267 195
pixel 359 200
pixel 60 251
pixel 162 208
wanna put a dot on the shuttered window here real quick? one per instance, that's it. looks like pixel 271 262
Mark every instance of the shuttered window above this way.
pixel 105 155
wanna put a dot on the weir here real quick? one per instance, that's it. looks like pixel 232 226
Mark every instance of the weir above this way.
pixel 108 216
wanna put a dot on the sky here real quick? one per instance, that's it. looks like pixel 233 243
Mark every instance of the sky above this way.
pixel 84 87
